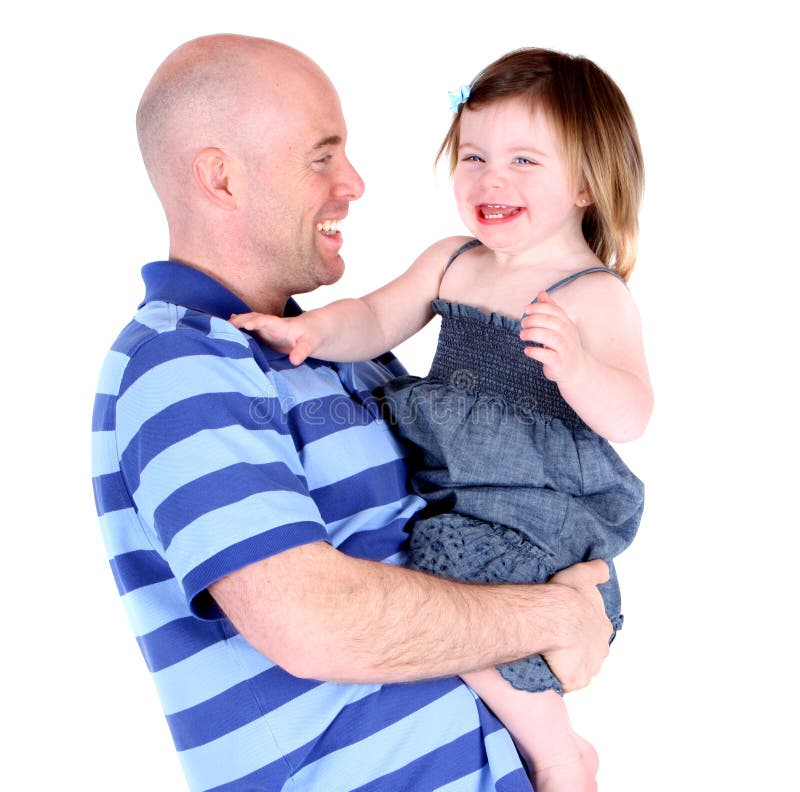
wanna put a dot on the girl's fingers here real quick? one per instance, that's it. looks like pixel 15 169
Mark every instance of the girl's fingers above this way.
pixel 255 321
pixel 538 314
pixel 300 352
pixel 543 335
pixel 544 300
pixel 547 357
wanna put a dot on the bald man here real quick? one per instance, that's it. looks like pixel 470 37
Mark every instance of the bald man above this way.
pixel 254 512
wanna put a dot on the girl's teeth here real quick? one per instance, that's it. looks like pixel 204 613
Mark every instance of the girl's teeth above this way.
pixel 501 210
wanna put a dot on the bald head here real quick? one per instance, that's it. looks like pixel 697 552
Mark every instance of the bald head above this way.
pixel 244 142
pixel 208 93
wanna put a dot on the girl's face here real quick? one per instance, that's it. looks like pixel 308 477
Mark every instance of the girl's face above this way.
pixel 513 186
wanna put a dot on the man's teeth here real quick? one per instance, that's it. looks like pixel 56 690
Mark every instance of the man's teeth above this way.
pixel 330 226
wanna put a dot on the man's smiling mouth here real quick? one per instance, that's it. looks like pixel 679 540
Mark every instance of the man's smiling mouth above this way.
pixel 330 227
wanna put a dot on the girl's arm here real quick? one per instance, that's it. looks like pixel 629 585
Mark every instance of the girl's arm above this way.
pixel 360 329
pixel 597 358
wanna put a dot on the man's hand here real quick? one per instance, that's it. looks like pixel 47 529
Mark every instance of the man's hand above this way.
pixel 585 627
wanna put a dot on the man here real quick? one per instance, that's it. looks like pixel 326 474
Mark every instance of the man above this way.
pixel 253 512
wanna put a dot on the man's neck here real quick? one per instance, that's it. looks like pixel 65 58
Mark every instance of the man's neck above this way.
pixel 238 278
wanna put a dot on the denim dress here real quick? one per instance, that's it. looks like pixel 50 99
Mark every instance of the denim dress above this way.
pixel 517 485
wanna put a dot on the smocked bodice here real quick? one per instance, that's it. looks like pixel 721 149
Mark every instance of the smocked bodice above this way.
pixel 482 353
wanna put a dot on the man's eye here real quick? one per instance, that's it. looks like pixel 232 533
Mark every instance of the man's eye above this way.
pixel 322 160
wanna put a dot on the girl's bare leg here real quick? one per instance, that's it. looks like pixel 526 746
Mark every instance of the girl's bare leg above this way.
pixel 557 758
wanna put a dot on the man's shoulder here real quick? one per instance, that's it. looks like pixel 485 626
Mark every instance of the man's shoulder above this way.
pixel 167 348
pixel 162 331
pixel 175 325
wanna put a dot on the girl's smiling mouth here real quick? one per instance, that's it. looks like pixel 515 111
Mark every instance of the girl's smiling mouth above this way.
pixel 496 213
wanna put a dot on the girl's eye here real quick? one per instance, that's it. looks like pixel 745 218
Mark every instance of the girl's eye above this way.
pixel 471 158
pixel 523 161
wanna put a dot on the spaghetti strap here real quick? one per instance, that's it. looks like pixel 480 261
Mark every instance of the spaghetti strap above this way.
pixel 576 275
pixel 466 246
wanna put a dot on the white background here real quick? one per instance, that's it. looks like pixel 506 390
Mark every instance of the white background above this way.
pixel 700 691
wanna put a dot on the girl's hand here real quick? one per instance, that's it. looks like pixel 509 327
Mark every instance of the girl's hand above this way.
pixel 290 335
pixel 562 355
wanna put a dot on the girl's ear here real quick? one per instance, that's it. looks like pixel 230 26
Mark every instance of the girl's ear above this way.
pixel 583 199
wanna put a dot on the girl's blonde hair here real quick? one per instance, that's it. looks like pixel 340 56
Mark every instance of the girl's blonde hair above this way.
pixel 597 130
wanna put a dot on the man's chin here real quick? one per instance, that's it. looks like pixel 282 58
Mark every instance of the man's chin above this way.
pixel 323 273
pixel 330 271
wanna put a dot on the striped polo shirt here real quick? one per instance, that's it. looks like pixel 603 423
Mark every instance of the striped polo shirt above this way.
pixel 211 452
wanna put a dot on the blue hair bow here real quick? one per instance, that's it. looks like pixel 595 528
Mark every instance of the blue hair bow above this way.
pixel 457 98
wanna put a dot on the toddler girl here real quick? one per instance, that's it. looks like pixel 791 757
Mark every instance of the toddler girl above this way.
pixel 511 425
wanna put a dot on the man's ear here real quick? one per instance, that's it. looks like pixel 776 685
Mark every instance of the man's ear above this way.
pixel 213 171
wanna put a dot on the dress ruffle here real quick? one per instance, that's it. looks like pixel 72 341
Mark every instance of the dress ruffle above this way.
pixel 461 311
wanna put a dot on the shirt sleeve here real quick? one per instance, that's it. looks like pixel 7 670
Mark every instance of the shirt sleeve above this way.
pixel 208 458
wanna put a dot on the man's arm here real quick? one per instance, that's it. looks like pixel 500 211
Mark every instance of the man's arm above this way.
pixel 308 607
pixel 324 615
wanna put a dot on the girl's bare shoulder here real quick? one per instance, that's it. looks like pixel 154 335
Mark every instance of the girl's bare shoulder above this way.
pixel 597 293
pixel 444 249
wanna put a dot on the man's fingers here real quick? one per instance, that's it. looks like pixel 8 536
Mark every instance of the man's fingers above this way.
pixel 575 669
pixel 599 569
pixel 587 573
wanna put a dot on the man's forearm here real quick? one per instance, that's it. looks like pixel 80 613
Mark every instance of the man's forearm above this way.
pixel 324 615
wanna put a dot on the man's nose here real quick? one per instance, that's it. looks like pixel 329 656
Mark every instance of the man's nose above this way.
pixel 349 184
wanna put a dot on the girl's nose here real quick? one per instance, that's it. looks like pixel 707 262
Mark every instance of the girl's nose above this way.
pixel 492 177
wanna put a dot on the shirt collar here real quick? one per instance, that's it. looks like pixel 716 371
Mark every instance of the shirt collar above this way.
pixel 180 284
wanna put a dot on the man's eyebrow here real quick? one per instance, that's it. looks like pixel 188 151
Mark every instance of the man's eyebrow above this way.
pixel 331 140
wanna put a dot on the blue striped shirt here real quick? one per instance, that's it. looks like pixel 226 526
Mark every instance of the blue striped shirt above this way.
pixel 211 452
